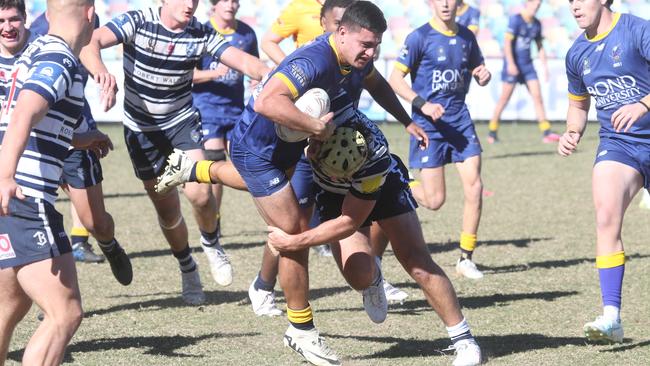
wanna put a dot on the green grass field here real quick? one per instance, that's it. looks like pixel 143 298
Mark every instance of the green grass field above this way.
pixel 536 247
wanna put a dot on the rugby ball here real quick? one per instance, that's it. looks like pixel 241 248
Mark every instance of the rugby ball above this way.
pixel 316 103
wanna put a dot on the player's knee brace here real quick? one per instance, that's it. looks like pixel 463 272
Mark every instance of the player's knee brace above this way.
pixel 215 154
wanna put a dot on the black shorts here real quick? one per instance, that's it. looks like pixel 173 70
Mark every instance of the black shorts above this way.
pixel 395 197
pixel 81 169
pixel 32 232
pixel 149 150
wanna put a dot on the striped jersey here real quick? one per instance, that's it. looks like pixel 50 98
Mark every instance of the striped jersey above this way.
pixel 468 16
pixel 300 20
pixel 613 69
pixel 158 67
pixel 366 182
pixel 521 33
pixel 47 67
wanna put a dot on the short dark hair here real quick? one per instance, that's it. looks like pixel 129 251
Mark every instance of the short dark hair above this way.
pixel 609 3
pixel 364 14
pixel 18 4
pixel 331 4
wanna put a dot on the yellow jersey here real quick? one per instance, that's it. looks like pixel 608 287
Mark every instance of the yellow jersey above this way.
pixel 301 20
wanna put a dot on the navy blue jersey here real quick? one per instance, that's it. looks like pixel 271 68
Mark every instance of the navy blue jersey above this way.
pixel 468 16
pixel 440 64
pixel 613 69
pixel 47 67
pixel 521 34
pixel 224 97
pixel 158 67
pixel 312 66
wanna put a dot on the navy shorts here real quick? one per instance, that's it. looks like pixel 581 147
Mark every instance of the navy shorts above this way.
pixel 449 144
pixel 302 183
pixel 32 232
pixel 395 198
pixel 149 150
pixel 526 72
pixel 217 128
pixel 632 153
pixel 81 169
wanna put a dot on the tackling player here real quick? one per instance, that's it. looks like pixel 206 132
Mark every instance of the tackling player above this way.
pixel 518 68
pixel 43 108
pixel 608 64
pixel 162 46
pixel 449 55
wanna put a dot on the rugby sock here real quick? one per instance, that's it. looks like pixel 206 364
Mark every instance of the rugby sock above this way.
pixel 467 245
pixel 301 319
pixel 185 260
pixel 210 239
pixel 611 268
pixel 545 127
pixel 260 284
pixel 201 172
pixel 109 246
pixel 493 125
pixel 79 236
pixel 459 332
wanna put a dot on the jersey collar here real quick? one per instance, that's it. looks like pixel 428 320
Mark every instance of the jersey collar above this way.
pixel 448 33
pixel 463 8
pixel 225 32
pixel 345 69
pixel 600 36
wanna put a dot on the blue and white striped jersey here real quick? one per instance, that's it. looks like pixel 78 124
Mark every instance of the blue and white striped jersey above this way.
pixel 47 67
pixel 158 67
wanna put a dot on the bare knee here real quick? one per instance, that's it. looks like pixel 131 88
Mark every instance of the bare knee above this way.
pixel 200 196
pixel 101 226
pixel 434 202
pixel 474 191
pixel 67 320
pixel 359 271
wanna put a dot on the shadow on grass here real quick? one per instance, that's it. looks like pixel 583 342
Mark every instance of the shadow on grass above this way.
pixel 562 263
pixel 627 347
pixel 523 154
pixel 453 245
pixel 492 346
pixel 110 195
pixel 195 249
pixel 157 346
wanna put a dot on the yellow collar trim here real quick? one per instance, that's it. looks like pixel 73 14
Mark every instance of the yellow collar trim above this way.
pixel 222 31
pixel 448 33
pixel 345 69
pixel 463 8
pixel 600 36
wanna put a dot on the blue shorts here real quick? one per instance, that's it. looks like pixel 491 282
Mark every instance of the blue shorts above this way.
pixel 632 153
pixel 217 128
pixel 526 72
pixel 81 169
pixel 149 150
pixel 262 177
pixel 32 232
pixel 395 198
pixel 302 182
pixel 449 145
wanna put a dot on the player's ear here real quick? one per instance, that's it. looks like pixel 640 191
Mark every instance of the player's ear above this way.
pixel 90 14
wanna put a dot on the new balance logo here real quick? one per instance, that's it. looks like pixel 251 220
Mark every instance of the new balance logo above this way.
pixel 293 345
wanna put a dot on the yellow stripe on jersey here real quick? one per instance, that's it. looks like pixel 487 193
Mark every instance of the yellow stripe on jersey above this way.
pixel 345 69
pixel 401 67
pixel 578 97
pixel 448 33
pixel 225 32
pixel 509 36
pixel 472 27
pixel 283 78
pixel 300 316
pixel 610 260
pixel 301 20
pixel 370 74
pixel 600 36
pixel 372 184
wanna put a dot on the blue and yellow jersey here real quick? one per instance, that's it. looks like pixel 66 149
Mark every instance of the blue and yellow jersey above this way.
pixel 440 63
pixel 313 66
pixel 224 97
pixel 613 68
pixel 49 68
pixel 521 33
pixel 468 16
pixel 299 20
pixel 366 182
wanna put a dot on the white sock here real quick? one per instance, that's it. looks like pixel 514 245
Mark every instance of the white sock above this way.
pixel 612 313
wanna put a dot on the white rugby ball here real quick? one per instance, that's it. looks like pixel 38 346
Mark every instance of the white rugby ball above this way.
pixel 316 103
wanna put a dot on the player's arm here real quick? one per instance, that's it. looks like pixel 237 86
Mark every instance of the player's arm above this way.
pixel 271 46
pixel 508 53
pixel 353 213
pixel 276 102
pixel 94 140
pixel 30 108
pixel 91 58
pixel 541 52
pixel 243 62
pixel 399 85
pixel 203 76
pixel 383 94
pixel 576 122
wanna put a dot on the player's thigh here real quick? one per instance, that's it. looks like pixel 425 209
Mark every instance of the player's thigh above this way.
pixel 470 170
pixel 280 209
pixel 534 88
pixel 52 285
pixel 405 235
pixel 614 185
pixel 88 202
pixel 433 181
pixel 14 301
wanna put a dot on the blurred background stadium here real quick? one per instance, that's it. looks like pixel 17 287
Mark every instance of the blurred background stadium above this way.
pixel 559 29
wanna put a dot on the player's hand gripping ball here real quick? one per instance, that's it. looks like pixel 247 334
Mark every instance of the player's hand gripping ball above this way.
pixel 316 103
